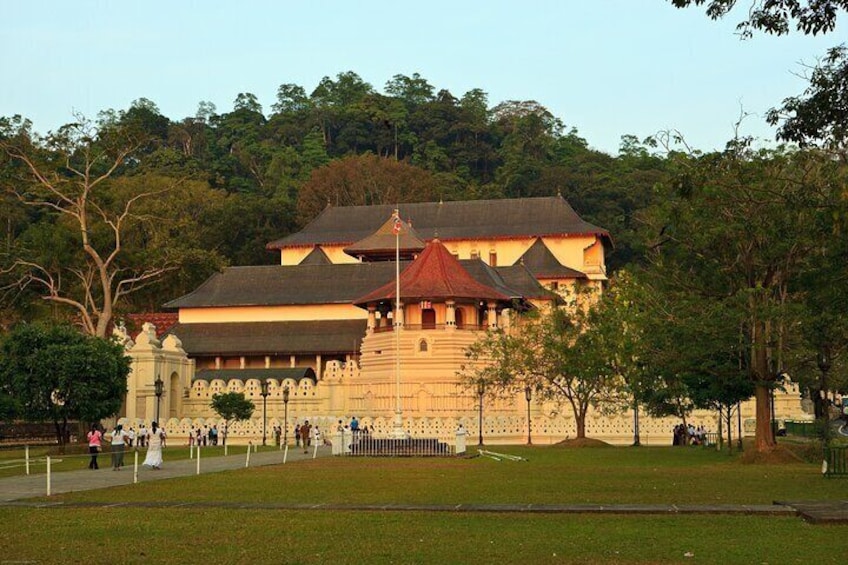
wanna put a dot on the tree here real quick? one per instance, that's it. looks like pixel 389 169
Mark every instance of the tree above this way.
pixel 66 176
pixel 56 373
pixel 557 354
pixel 821 113
pixel 363 180
pixel 232 407
pixel 732 238
pixel 777 16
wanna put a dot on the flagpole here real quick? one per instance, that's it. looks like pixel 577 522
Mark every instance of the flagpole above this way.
pixel 397 431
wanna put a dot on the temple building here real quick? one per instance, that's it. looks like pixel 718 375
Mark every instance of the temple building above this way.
pixel 369 313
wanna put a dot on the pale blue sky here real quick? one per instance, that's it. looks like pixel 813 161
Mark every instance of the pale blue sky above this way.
pixel 606 67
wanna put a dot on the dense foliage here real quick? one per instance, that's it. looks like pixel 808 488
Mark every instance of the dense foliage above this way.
pixel 101 216
pixel 57 374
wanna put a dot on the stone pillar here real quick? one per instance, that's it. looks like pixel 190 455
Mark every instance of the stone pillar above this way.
pixel 267 361
pixel 450 315
pixel 399 321
pixel 292 361
pixel 493 316
pixel 318 374
pixel 372 319
pixel 241 362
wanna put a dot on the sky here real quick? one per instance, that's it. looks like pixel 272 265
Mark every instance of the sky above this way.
pixel 605 67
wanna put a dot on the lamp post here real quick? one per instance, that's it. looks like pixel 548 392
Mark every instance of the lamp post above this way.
pixel 481 390
pixel 158 390
pixel 637 441
pixel 286 415
pixel 528 395
pixel 824 366
pixel 739 425
pixel 263 391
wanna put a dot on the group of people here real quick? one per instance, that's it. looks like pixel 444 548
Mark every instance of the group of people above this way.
pixel 689 435
pixel 203 436
pixel 353 427
pixel 120 439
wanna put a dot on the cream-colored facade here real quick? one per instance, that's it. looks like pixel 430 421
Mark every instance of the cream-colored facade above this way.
pixel 411 364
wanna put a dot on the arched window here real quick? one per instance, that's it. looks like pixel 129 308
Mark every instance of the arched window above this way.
pixel 423 346
pixel 460 318
pixel 428 319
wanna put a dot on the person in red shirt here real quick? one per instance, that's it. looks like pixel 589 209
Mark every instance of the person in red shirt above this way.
pixel 95 439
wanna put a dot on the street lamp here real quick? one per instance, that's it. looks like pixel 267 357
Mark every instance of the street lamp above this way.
pixel 824 367
pixel 528 395
pixel 481 390
pixel 263 386
pixel 158 390
pixel 286 415
pixel 637 441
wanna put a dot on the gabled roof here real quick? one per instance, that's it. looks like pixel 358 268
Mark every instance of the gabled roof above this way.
pixel 544 265
pixel 435 274
pixel 383 242
pixel 316 257
pixel 226 375
pixel 472 219
pixel 515 280
pixel 271 338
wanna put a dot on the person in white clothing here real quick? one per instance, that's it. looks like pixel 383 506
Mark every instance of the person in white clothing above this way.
pixel 118 439
pixel 155 442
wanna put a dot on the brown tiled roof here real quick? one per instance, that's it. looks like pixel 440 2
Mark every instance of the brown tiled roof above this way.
pixel 515 280
pixel 279 373
pixel 278 285
pixel 316 257
pixel 542 263
pixel 435 274
pixel 382 242
pixel 472 219
pixel 271 338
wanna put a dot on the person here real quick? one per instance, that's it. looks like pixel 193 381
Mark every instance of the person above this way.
pixel 131 437
pixel 354 425
pixel 142 436
pixel 305 435
pixel 95 438
pixel 213 435
pixel 118 440
pixel 297 435
pixel 278 432
pixel 155 442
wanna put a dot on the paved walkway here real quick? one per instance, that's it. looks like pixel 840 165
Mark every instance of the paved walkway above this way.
pixel 31 486
pixel 15 491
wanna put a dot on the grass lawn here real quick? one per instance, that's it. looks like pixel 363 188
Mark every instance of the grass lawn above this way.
pixel 551 475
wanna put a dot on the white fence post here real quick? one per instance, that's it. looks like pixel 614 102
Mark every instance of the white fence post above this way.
pixel 198 460
pixel 247 461
pixel 285 454
pixel 135 467
pixel 26 456
pixel 48 475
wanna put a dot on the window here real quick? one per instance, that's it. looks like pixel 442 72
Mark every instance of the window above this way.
pixel 428 319
pixel 423 346
pixel 460 318
pixel 493 259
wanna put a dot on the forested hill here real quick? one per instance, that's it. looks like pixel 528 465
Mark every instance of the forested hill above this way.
pixel 250 175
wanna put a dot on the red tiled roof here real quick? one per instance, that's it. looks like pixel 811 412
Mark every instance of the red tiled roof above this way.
pixel 162 320
pixel 436 274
